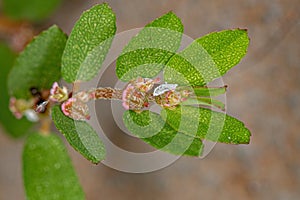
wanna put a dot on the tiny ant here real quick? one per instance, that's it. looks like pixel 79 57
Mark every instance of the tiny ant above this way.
pixel 41 103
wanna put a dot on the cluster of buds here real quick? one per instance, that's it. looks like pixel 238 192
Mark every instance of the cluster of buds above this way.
pixel 21 107
pixel 31 107
pixel 172 98
pixel 74 107
pixel 136 95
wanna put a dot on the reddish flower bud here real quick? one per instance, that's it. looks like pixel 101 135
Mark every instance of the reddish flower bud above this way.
pixel 75 109
pixel 144 84
pixel 133 98
pixel 169 99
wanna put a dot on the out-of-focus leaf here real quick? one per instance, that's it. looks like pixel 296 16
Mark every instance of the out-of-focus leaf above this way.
pixel 207 58
pixel 39 64
pixel 32 10
pixel 147 53
pixel 210 125
pixel 80 135
pixel 153 130
pixel 13 126
pixel 48 171
pixel 88 44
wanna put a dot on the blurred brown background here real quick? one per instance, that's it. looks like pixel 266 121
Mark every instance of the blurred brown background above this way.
pixel 264 92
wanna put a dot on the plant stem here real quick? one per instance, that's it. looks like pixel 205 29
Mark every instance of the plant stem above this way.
pixel 45 126
pixel 106 93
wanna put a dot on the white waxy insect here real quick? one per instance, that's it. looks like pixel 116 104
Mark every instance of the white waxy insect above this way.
pixel 164 88
pixel 31 115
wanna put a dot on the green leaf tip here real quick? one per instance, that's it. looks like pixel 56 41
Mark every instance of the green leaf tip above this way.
pixel 80 135
pixel 210 125
pixel 38 65
pixel 169 21
pixel 226 47
pixel 207 58
pixel 152 129
pixel 88 44
pixel 48 172
pixel 147 53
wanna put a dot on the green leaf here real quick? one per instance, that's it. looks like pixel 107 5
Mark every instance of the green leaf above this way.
pixel 80 135
pixel 39 64
pixel 48 171
pixel 207 58
pixel 13 126
pixel 153 130
pixel 204 101
pixel 210 125
pixel 88 44
pixel 32 10
pixel 147 53
pixel 204 91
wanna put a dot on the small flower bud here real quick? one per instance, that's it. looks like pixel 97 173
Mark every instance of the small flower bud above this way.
pixel 144 84
pixel 19 106
pixel 58 94
pixel 169 99
pixel 135 96
pixel 83 96
pixel 75 109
